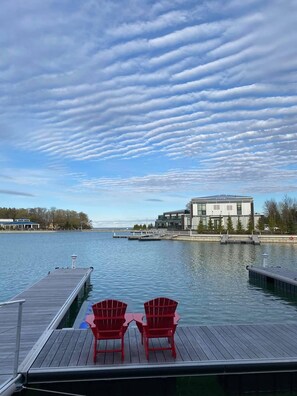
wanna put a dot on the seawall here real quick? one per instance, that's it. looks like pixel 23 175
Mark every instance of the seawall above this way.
pixel 290 239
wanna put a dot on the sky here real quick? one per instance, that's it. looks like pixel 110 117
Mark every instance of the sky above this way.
pixel 125 109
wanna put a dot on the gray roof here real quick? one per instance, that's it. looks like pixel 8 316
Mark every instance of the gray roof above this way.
pixel 223 197
pixel 18 223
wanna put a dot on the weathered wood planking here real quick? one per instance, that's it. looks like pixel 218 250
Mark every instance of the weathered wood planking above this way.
pixel 46 303
pixel 67 355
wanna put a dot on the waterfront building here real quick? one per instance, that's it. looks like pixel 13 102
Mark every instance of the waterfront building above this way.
pixel 177 220
pixel 219 208
pixel 18 224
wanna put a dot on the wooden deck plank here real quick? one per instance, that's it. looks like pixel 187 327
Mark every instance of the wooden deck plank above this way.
pixel 78 348
pixel 199 347
pixel 237 342
pixel 195 350
pixel 251 342
pixel 228 343
pixel 45 301
pixel 270 341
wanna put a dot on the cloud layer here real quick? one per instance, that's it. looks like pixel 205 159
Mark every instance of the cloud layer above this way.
pixel 208 93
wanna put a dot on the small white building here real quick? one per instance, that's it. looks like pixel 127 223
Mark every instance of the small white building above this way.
pixel 18 224
pixel 219 207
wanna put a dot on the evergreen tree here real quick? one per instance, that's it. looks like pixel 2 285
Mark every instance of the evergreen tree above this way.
pixel 220 226
pixel 261 224
pixel 230 227
pixel 200 228
pixel 210 225
pixel 250 227
pixel 239 228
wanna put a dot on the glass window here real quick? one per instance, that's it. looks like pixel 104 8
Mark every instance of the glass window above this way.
pixel 239 209
pixel 201 209
pixel 216 207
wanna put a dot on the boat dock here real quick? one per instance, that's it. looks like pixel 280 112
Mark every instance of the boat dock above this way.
pixel 224 350
pixel 281 278
pixel 251 239
pixel 46 306
pixel 52 354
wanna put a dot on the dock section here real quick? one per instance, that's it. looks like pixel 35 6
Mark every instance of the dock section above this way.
pixel 201 350
pixel 281 278
pixel 46 304
pixel 241 239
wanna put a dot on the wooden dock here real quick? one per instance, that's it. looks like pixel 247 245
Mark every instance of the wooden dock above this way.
pixel 201 350
pixel 58 355
pixel 281 278
pixel 46 304
pixel 240 239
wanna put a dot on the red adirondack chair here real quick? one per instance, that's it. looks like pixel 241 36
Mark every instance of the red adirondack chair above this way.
pixel 160 322
pixel 108 324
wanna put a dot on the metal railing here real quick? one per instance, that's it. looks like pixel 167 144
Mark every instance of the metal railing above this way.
pixel 18 332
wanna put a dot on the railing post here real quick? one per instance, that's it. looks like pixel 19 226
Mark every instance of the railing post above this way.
pixel 18 340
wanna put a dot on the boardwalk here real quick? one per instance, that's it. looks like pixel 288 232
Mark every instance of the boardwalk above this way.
pixel 46 303
pixel 200 350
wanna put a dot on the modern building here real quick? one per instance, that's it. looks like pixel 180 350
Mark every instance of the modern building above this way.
pixel 18 224
pixel 219 208
pixel 177 220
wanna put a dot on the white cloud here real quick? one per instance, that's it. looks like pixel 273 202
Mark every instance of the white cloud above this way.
pixel 170 83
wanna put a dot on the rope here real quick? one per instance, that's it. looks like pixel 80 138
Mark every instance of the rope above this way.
pixel 52 391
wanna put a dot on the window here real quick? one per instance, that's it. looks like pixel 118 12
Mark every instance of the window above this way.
pixel 216 207
pixel 201 208
pixel 229 207
pixel 239 209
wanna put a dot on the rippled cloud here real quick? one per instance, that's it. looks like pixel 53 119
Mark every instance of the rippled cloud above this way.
pixel 150 97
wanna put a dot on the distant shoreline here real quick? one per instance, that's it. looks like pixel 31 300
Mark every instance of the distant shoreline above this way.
pixel 289 239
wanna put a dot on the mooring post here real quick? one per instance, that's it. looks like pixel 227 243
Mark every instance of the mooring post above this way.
pixel 265 255
pixel 73 257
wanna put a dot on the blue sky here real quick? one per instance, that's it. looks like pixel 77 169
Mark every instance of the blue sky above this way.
pixel 126 109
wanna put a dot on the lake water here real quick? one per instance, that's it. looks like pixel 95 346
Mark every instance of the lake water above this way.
pixel 209 280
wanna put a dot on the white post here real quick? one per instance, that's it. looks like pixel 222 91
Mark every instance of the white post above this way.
pixel 265 255
pixel 73 257
pixel 18 339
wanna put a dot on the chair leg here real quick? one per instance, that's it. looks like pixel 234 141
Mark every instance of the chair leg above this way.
pixel 173 347
pixel 95 350
pixel 146 347
pixel 123 353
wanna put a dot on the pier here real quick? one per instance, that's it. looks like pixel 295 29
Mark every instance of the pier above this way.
pixel 242 239
pixel 45 308
pixel 52 355
pixel 226 350
pixel 281 278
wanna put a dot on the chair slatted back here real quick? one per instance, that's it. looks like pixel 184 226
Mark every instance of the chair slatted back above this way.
pixel 159 313
pixel 109 315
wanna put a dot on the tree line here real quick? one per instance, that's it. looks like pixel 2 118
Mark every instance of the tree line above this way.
pixel 216 228
pixel 280 217
pixel 142 226
pixel 54 219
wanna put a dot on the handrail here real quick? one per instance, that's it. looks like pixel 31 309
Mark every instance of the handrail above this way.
pixel 18 333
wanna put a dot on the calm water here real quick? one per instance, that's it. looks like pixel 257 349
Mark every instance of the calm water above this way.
pixel 209 280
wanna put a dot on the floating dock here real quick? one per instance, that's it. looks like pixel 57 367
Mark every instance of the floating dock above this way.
pixel 281 278
pixel 226 350
pixel 61 356
pixel 240 239
pixel 47 304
